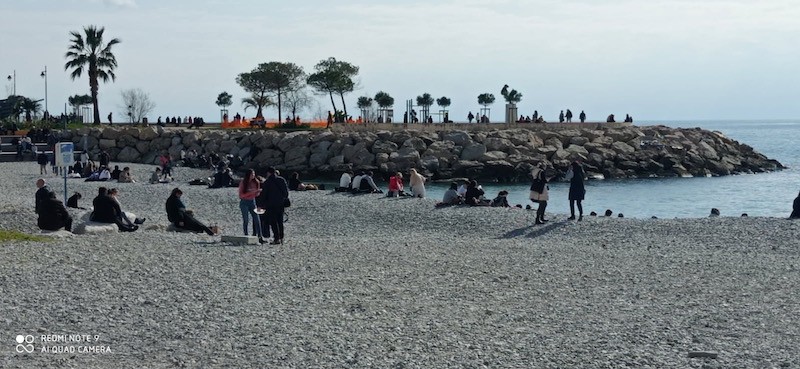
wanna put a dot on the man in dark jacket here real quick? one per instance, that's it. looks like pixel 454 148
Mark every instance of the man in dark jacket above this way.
pixel 106 210
pixel 54 215
pixel 277 195
pixel 182 218
pixel 42 194
pixel 104 158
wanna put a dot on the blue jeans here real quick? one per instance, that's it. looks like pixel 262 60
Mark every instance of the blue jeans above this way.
pixel 248 208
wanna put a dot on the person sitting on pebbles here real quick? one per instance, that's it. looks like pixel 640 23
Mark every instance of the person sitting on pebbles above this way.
pixel 296 185
pixel 367 184
pixel 106 210
pixel 345 181
pixel 182 218
pixel 125 176
pixel 396 185
pixel 795 208
pixel 474 196
pixel 53 215
pixel 156 177
pixel 501 201
pixel 451 196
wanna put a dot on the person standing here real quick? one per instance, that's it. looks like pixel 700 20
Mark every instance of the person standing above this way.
pixel 417 183
pixel 277 199
pixel 569 116
pixel 249 189
pixel 795 208
pixel 109 119
pixel 396 185
pixel 577 191
pixel 539 192
pixel 470 117
pixel 582 116
pixel 104 158
pixel 561 117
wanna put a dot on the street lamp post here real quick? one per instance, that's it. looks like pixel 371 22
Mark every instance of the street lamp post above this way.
pixel 14 78
pixel 44 75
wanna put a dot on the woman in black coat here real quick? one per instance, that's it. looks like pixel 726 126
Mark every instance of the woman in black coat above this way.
pixel 576 189
pixel 53 215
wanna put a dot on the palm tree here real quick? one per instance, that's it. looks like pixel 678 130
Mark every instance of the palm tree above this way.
pixel 364 103
pixel 257 102
pixel 30 107
pixel 92 54
pixel 425 101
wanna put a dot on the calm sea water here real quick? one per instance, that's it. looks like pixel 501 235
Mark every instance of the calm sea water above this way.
pixel 766 194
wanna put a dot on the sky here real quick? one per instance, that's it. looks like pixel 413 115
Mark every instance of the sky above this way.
pixel 653 59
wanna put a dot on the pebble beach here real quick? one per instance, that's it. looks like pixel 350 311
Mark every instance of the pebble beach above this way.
pixel 372 282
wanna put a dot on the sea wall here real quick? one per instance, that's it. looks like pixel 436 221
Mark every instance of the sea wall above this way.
pixel 504 155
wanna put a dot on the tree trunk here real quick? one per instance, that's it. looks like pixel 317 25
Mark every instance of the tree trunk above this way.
pixel 344 106
pixel 332 103
pixel 259 112
pixel 93 87
pixel 280 117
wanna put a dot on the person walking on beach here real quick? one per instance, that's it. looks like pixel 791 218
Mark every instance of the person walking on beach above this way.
pixel 576 189
pixel 470 117
pixel 569 116
pixel 249 189
pixel 582 116
pixel 539 192
pixel 277 199
pixel 109 119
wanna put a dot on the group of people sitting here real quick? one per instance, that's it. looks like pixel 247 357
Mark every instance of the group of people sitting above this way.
pixel 471 193
pixel 53 215
pixel 361 183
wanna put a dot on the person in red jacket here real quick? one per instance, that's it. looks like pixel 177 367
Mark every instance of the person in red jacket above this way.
pixel 249 189
pixel 396 185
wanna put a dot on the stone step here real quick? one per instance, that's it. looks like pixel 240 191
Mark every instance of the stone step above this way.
pixel 240 240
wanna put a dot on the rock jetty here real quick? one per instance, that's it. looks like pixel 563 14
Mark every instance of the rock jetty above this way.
pixel 505 155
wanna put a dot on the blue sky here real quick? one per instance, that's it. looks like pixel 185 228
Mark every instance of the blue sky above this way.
pixel 655 59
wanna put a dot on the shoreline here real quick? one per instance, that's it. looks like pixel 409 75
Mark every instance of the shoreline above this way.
pixel 369 281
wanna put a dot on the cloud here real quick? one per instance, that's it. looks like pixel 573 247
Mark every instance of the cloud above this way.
pixel 121 3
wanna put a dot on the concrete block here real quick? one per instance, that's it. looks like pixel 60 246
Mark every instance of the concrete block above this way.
pixel 240 240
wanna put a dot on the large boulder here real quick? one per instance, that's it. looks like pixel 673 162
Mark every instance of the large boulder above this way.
pixel 294 139
pixel 415 143
pixel 578 140
pixel 405 158
pixel 497 144
pixel 148 133
pixel 128 155
pixel 577 152
pixel 387 147
pixel 297 156
pixel 707 151
pixel 493 156
pixel 362 158
pixel 107 143
pixel 110 134
pixel 460 138
pixel 622 148
pixel 473 151
pixel 226 146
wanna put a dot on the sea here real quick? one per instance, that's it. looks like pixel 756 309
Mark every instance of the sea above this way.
pixel 762 195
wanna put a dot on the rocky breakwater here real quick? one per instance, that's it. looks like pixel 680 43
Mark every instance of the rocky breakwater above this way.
pixel 503 155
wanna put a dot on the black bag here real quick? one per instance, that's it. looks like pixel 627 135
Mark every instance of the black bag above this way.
pixel 537 185
pixel 287 203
